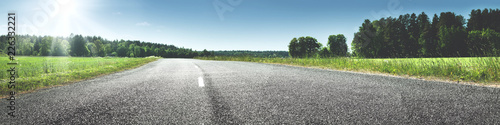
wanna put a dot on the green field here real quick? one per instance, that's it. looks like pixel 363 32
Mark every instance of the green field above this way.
pixel 40 72
pixel 483 70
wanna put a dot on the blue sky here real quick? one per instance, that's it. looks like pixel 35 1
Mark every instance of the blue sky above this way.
pixel 244 25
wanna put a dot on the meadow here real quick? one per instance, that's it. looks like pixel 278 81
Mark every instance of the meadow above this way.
pixel 481 70
pixel 41 72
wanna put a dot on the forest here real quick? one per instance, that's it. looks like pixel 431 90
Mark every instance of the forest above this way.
pixel 447 35
pixel 413 36
pixel 94 46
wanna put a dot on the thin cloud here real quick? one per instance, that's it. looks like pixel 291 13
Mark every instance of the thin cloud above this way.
pixel 117 13
pixel 143 24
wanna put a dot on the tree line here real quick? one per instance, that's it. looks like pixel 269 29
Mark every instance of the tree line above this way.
pixel 447 35
pixel 94 46
pixel 304 47
pixel 262 54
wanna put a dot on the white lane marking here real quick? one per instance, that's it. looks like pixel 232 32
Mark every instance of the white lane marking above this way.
pixel 200 82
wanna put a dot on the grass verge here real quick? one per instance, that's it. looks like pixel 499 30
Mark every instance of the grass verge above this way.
pixel 42 72
pixel 477 70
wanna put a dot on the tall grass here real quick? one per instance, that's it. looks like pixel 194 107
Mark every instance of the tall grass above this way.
pixel 39 72
pixel 474 69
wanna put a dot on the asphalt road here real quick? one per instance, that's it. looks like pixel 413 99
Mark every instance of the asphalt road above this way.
pixel 189 91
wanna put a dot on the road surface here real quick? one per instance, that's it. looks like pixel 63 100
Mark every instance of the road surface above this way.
pixel 189 91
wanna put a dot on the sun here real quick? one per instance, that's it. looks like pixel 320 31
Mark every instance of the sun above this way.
pixel 75 17
pixel 69 14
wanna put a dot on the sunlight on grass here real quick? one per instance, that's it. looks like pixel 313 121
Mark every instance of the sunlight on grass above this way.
pixel 39 72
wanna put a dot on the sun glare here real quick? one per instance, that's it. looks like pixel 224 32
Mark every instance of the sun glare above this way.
pixel 67 17
pixel 72 17
pixel 69 9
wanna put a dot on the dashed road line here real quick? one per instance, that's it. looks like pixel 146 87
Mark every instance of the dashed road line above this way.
pixel 200 82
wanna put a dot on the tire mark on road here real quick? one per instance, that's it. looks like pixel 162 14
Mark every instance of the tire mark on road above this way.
pixel 221 111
